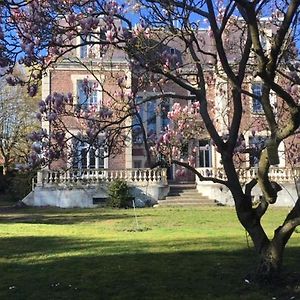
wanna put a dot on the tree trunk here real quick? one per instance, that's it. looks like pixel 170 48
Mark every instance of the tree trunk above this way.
pixel 270 262
pixel 270 252
pixel 5 165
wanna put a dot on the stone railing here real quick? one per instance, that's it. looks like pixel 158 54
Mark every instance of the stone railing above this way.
pixel 275 174
pixel 96 176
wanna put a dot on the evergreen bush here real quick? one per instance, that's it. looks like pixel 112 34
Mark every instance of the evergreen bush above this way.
pixel 119 194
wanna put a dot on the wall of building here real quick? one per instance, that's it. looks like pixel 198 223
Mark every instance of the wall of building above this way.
pixel 221 194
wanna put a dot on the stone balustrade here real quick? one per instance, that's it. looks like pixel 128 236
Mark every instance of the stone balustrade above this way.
pixel 275 174
pixel 94 176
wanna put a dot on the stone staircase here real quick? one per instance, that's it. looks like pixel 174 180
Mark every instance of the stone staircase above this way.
pixel 185 195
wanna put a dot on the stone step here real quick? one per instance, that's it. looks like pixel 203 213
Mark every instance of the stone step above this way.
pixel 189 186
pixel 185 195
pixel 197 199
pixel 186 200
pixel 183 203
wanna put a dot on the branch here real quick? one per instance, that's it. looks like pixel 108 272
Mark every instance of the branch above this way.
pixel 290 225
pixel 200 176
pixel 284 232
pixel 185 6
pixel 281 34
pixel 263 205
pixel 219 44
pixel 249 186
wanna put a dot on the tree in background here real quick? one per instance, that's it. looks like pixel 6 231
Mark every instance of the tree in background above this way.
pixel 17 121
pixel 242 41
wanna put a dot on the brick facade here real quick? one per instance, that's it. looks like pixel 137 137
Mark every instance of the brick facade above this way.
pixel 63 79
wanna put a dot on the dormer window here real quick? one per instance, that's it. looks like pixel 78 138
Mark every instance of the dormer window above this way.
pixel 84 49
pixel 92 45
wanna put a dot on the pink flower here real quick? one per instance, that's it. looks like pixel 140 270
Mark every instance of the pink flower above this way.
pixel 110 36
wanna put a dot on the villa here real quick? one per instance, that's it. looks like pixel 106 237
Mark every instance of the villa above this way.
pixel 83 181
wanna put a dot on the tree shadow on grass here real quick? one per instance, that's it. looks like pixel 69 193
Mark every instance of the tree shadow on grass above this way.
pixel 61 216
pixel 59 268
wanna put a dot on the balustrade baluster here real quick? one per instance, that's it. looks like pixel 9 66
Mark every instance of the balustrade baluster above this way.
pixel 58 174
pixel 106 175
pixel 160 175
pixel 144 175
pixel 111 175
pixel 127 175
pixel 135 175
pixel 155 175
pixel 67 176
pixel 50 177
pixel 63 177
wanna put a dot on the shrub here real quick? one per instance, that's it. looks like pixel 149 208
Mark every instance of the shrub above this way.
pixel 16 185
pixel 119 194
pixel 3 183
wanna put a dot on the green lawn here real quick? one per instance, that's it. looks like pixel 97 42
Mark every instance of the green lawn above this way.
pixel 174 253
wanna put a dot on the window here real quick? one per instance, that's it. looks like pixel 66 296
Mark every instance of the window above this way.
pixel 152 121
pixel 204 154
pixel 92 46
pixel 172 51
pixel 151 118
pixel 256 101
pixel 84 49
pixel 87 157
pixel 137 164
pixel 137 136
pixel 88 93
pixel 256 144
pixel 164 109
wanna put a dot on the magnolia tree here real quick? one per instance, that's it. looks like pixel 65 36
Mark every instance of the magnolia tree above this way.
pixel 194 47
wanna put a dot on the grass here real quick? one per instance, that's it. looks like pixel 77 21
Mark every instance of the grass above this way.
pixel 174 253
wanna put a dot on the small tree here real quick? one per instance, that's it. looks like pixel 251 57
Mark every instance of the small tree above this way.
pixel 118 194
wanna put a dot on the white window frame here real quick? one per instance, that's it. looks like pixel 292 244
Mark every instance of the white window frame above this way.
pixel 94 98
pixel 203 151
pixel 99 51
pixel 75 78
pixel 78 157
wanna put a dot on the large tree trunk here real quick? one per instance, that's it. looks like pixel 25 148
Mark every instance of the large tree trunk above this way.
pixel 269 252
pixel 270 262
